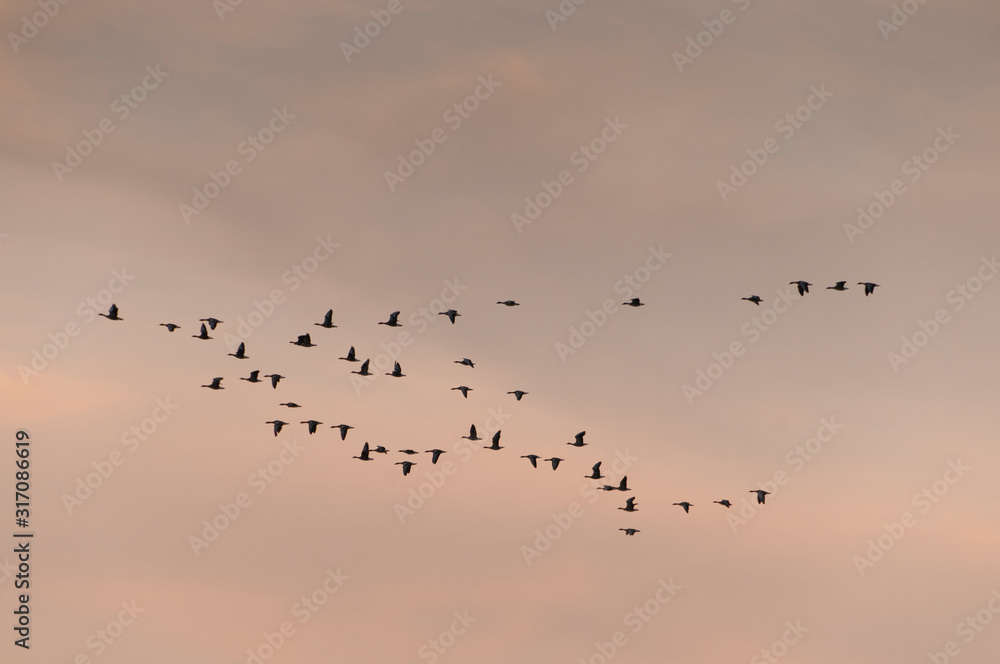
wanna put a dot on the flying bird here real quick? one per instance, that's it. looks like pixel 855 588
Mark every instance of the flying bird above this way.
pixel 803 286
pixel 364 369
pixel 411 452
pixel 838 286
pixel 436 454
pixel 634 302
pixel 509 303
pixel 869 287
pixel 686 505
pixel 466 362
pixel 344 428
pixel 623 485
pixel 724 503
pixel 472 433
pixel 596 474
pixel 630 531
pixel 496 443
pixel 112 313
pixel 203 334
pixel 290 404
pixel 277 425
pixel 406 466
pixel 212 322
pixel 350 356
pixel 170 326
pixel 760 495
pixel 753 298
pixel 578 441
pixel 241 352
pixel 451 313
pixel 555 462
pixel 364 454
pixel 518 394
pixel 393 320
pixel 253 377
pixel 397 371
pixel 630 505
pixel 327 320
pixel 533 458
pixel 216 384
pixel 303 341
pixel 312 425
pixel 381 450
pixel 274 379
pixel 465 390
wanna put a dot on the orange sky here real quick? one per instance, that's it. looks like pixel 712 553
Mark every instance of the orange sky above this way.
pixel 266 164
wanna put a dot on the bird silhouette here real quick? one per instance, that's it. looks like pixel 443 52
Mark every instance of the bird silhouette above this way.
pixel 451 313
pixel 274 379
pixel 533 458
pixel 312 425
pixel 634 302
pixel 410 452
pixel 623 485
pixel 630 531
pixel 686 505
pixel 393 320
pixel 365 456
pixel 216 384
pixel 290 404
pixel 406 466
pixel 212 322
pixel 327 320
pixel 509 303
pixel 803 286
pixel 555 462
pixel 277 425
pixel 495 443
pixel 303 341
pixel 630 505
pixel 869 287
pixel 381 450
pixel 472 433
pixel 838 286
pixel 241 352
pixel 364 370
pixel 203 334
pixel 344 428
pixel 350 356
pixel 760 495
pixel 397 371
pixel 253 377
pixel 753 298
pixel 465 390
pixel 170 326
pixel 436 454
pixel 466 362
pixel 112 313
pixel 724 503
pixel 518 394
pixel 578 441
pixel 596 472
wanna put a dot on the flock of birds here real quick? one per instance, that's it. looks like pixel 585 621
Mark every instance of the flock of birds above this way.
pixel 305 341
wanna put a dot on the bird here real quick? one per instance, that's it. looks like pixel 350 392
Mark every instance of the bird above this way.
pixel 509 303
pixel 472 433
pixel 303 341
pixel 274 379
pixel 203 334
pixel 630 505
pixel 344 428
pixel 112 313
pixel 312 425
pixel 869 287
pixel 212 322
pixel 364 369
pixel 555 462
pixel 397 371
pixel 578 442
pixel 686 505
pixel 634 302
pixel 393 320
pixel 518 394
pixel 216 384
pixel 364 454
pixel 838 286
pixel 327 320
pixel 630 531
pixel 350 356
pixel 290 404
pixel 253 377
pixel 753 298
pixel 465 390
pixel 451 313
pixel 381 450
pixel 596 474
pixel 724 503
pixel 277 425
pixel 241 352
pixel 623 485
pixel 533 458
pixel 435 454
pixel 760 495
pixel 406 466
pixel 410 452
pixel 466 362
pixel 609 487
pixel 170 326
pixel 803 286
pixel 495 443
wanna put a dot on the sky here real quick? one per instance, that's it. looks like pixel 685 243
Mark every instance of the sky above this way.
pixel 263 163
